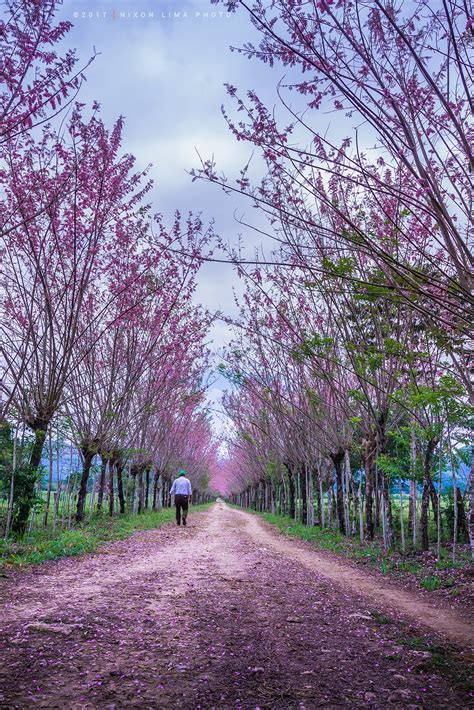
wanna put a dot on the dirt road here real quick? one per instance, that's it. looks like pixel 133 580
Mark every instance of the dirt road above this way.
pixel 222 614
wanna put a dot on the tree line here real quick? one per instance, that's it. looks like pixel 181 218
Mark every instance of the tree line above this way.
pixel 98 324
pixel 351 360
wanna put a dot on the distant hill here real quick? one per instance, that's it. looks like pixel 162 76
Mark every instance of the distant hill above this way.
pixel 66 460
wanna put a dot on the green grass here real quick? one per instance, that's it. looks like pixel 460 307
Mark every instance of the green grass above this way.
pixel 386 566
pixel 324 539
pixel 372 553
pixel 410 566
pixel 331 540
pixel 431 583
pixel 442 660
pixel 49 544
pixel 448 563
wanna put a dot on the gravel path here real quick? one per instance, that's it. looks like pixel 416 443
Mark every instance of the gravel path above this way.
pixel 222 614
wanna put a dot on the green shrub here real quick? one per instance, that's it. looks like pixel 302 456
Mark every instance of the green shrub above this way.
pixel 386 566
pixel 409 566
pixel 431 583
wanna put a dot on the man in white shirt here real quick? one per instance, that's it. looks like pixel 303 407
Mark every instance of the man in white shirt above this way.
pixel 182 491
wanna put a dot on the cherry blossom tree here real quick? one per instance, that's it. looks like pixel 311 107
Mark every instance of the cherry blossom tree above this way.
pixel 407 72
pixel 379 220
pixel 53 261
pixel 98 323
pixel 324 378
pixel 36 82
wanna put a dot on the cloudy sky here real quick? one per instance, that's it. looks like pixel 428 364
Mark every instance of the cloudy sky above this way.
pixel 162 64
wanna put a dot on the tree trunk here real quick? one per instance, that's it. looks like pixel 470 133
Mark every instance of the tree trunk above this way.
pixel 120 492
pixel 297 495
pixel 111 488
pixel 157 490
pixel 330 501
pixel 291 494
pixel 59 485
pixel 133 494
pixel 347 482
pixel 462 520
pixel 103 472
pixel 471 502
pixel 338 460
pixel 273 499
pixel 387 511
pixel 141 491
pixel 377 497
pixel 319 498
pixel 50 482
pixel 304 494
pixel 425 498
pixel 164 494
pixel 39 429
pixel 455 496
pixel 434 503
pixel 355 502
pixel 93 490
pixel 412 503
pixel 412 512
pixel 282 498
pixel 438 506
pixel 368 454
pixel 361 511
pixel 402 521
pixel 88 455
pixel 310 494
pixel 11 496
pixel 147 487
pixel 23 510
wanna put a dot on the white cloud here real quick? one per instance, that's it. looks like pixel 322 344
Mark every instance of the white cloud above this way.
pixel 166 77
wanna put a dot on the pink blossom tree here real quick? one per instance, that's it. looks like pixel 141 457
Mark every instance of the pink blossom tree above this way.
pixel 35 82
pixel 53 260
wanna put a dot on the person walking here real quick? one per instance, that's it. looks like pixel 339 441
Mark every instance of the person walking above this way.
pixel 182 491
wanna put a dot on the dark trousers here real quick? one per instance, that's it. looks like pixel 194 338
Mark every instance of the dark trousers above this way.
pixel 182 504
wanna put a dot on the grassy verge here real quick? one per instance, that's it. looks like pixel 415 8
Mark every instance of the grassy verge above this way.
pixel 423 568
pixel 49 544
pixel 440 660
